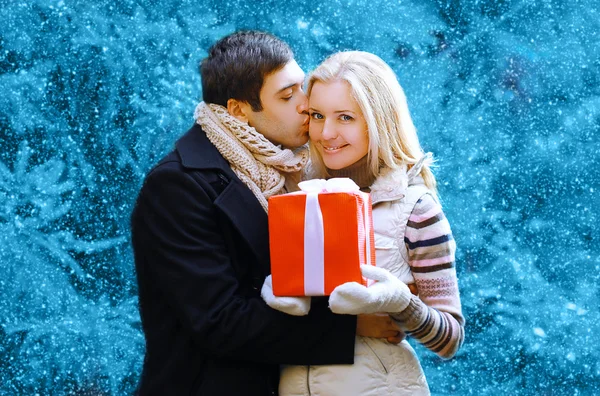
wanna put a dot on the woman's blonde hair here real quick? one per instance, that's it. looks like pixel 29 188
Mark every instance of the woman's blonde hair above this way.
pixel 393 138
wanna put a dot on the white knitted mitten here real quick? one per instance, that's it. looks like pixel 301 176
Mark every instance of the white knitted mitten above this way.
pixel 297 306
pixel 388 294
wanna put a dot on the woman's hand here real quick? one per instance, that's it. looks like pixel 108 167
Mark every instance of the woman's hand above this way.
pixel 379 326
pixel 388 294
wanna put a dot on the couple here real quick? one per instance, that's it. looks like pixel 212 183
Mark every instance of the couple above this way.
pixel 200 234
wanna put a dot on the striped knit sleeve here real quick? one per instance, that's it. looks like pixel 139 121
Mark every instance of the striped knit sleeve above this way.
pixel 434 317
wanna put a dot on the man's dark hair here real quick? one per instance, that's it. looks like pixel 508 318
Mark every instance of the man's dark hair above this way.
pixel 237 65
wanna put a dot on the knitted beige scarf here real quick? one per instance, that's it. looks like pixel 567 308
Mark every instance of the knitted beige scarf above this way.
pixel 256 161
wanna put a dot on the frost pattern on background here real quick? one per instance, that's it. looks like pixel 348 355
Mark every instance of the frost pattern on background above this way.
pixel 506 94
pixel 54 337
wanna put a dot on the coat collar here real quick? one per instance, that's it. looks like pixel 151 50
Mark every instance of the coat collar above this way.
pixel 236 202
pixel 248 217
pixel 391 184
pixel 197 152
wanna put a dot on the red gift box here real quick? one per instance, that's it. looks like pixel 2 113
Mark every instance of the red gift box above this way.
pixel 319 238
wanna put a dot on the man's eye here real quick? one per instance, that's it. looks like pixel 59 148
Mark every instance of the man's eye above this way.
pixel 316 116
pixel 345 117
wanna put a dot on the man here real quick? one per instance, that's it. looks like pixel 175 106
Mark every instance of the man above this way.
pixel 200 235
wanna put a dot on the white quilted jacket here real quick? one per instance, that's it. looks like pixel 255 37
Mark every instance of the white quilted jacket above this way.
pixel 379 368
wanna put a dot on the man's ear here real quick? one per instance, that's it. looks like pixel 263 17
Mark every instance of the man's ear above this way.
pixel 238 109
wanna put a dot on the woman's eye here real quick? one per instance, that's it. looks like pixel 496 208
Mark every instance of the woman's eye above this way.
pixel 345 117
pixel 287 98
pixel 316 116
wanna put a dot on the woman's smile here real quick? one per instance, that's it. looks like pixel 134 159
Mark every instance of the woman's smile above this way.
pixel 333 149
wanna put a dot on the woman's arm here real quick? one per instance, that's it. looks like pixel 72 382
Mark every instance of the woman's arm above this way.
pixel 434 317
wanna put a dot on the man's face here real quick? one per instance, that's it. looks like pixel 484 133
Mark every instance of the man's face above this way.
pixel 284 117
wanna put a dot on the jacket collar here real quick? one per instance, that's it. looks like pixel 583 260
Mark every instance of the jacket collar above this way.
pixel 391 184
pixel 248 217
pixel 236 202
pixel 197 152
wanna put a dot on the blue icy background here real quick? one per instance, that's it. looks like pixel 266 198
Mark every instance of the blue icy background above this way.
pixel 505 93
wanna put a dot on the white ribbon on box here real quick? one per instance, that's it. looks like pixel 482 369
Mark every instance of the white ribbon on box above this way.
pixel 314 233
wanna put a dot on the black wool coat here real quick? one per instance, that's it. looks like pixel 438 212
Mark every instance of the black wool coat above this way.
pixel 201 249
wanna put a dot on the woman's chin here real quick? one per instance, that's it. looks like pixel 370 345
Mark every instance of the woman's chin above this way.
pixel 334 165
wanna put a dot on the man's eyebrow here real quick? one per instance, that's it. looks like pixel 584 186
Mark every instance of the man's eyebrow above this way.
pixel 290 85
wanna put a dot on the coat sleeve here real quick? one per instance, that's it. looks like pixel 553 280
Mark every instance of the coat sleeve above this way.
pixel 175 227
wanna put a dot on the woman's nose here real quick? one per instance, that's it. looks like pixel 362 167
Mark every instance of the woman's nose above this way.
pixel 329 131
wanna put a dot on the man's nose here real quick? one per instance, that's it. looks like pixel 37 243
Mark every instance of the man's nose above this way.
pixel 303 106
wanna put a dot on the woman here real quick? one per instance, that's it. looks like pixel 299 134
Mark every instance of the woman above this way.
pixel 360 128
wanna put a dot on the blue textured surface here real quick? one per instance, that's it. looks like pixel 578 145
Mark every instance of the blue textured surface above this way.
pixel 505 93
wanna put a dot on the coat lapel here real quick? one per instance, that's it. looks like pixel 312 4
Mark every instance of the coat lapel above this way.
pixel 237 201
pixel 248 217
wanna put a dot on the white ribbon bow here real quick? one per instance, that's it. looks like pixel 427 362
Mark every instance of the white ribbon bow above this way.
pixel 314 234
pixel 337 184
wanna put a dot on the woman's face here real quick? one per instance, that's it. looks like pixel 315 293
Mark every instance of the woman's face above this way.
pixel 337 126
